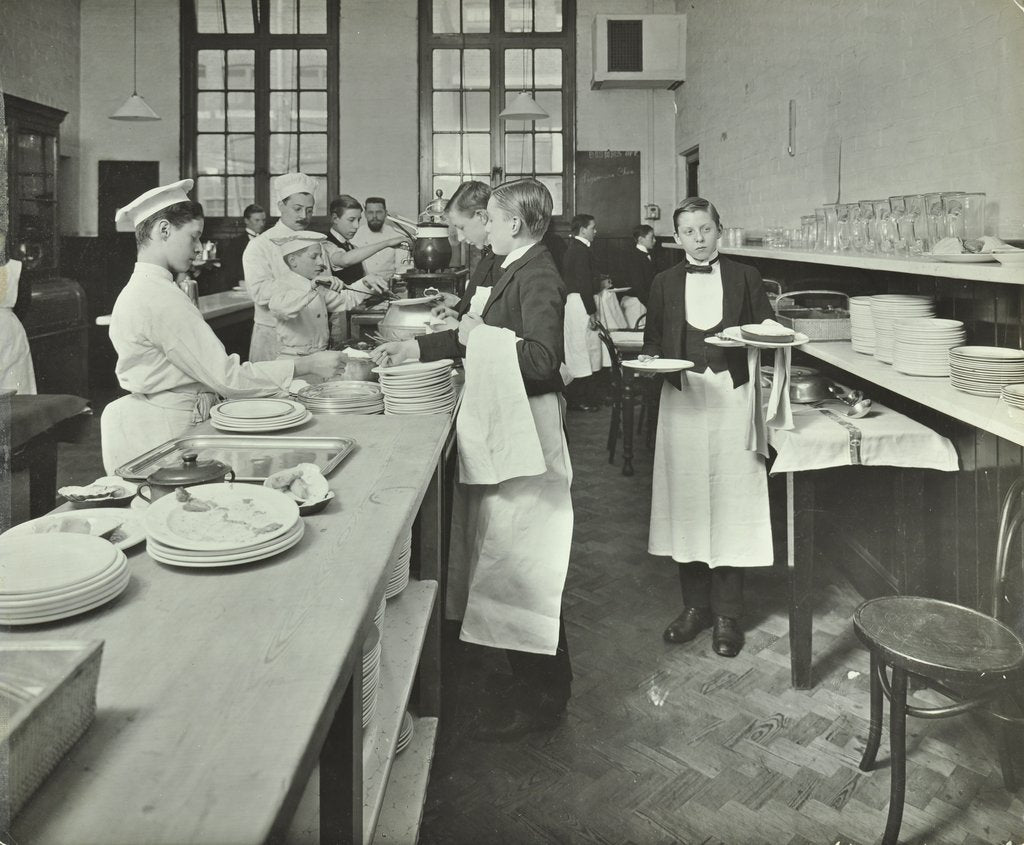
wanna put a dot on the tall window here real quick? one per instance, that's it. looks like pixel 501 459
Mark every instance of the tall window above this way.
pixel 476 56
pixel 260 90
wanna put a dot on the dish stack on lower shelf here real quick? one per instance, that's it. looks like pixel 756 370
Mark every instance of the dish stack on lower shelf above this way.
pixel 889 308
pixel 405 736
pixel 862 328
pixel 922 345
pixel 372 649
pixel 398 579
pixel 985 370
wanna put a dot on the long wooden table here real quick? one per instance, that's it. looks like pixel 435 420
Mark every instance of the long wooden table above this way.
pixel 220 690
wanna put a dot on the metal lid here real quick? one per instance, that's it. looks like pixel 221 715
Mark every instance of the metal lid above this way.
pixel 190 471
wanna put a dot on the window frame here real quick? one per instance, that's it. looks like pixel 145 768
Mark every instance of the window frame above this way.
pixel 262 41
pixel 498 42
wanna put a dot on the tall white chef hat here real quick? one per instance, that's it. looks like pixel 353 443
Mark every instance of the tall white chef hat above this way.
pixel 293 183
pixel 300 240
pixel 153 201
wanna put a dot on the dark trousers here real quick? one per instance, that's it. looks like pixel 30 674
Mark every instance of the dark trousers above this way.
pixel 547 676
pixel 719 590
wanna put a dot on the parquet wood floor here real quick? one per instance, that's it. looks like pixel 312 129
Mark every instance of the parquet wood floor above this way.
pixel 672 744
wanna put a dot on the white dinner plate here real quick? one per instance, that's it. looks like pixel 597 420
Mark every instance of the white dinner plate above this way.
pixel 72 600
pixel 988 353
pixel 659 365
pixel 287 419
pixel 414 367
pixel 733 333
pixel 255 409
pixel 270 426
pixel 965 258
pixel 95 602
pixel 130 531
pixel 41 563
pixel 191 561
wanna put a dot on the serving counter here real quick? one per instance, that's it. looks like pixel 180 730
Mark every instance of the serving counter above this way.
pixel 218 309
pixel 221 690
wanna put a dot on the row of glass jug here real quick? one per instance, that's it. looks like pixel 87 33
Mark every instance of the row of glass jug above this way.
pixel 901 225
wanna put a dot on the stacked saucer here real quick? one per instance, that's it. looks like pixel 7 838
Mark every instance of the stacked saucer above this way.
pixel 862 329
pixel 372 649
pixel 985 370
pixel 921 346
pixel 378 617
pixel 398 579
pixel 46 577
pixel 405 735
pixel 418 388
pixel 889 308
pixel 258 415
pixel 221 525
pixel 1013 395
pixel 343 397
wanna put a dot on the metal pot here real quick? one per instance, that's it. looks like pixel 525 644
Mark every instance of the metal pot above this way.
pixel 431 251
pixel 189 472
pixel 408 318
pixel 806 385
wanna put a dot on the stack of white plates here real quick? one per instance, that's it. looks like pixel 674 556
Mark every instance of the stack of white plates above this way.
pixel 418 388
pixel 222 525
pixel 922 345
pixel 343 397
pixel 985 370
pixel 405 734
pixel 399 570
pixel 257 415
pixel 888 308
pixel 378 617
pixel 862 329
pixel 371 674
pixel 46 577
pixel 1013 395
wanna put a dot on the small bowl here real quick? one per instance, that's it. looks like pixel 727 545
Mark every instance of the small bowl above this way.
pixel 130 490
pixel 314 506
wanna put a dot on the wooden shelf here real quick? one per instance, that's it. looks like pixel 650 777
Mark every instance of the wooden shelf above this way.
pixel 990 415
pixel 405 627
pixel 988 272
pixel 402 812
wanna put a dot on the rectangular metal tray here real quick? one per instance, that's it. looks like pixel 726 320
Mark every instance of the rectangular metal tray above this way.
pixel 252 457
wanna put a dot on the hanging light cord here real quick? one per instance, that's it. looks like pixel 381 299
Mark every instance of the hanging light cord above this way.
pixel 135 47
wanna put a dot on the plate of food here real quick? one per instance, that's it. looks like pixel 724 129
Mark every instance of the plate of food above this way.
pixel 954 250
pixel 764 335
pixel 124 529
pixel 108 491
pixel 658 365
pixel 304 483
pixel 208 517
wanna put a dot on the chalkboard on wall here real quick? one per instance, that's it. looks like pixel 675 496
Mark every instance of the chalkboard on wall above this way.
pixel 608 186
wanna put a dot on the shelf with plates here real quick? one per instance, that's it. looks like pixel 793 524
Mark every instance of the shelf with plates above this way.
pixel 991 271
pixel 987 414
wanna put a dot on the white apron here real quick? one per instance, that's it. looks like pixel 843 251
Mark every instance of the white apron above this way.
pixel 709 494
pixel 582 344
pixel 264 345
pixel 134 424
pixel 16 372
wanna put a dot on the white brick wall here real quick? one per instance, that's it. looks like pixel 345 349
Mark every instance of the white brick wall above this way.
pixel 925 95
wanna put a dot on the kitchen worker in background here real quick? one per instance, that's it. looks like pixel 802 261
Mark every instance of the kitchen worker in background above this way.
pixel 511 538
pixel 375 228
pixel 262 261
pixel 709 494
pixel 16 372
pixel 255 220
pixel 301 301
pixel 168 358
pixel 347 258
pixel 583 346
pixel 638 271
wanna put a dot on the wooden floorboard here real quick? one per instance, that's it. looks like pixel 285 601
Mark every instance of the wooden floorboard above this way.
pixel 673 744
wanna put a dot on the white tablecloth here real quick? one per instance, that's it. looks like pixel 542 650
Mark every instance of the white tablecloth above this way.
pixel 884 438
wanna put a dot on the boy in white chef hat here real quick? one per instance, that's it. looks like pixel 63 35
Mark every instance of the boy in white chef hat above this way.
pixel 302 299
pixel 168 359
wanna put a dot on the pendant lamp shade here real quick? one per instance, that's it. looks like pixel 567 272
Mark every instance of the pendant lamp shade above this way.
pixel 523 107
pixel 135 108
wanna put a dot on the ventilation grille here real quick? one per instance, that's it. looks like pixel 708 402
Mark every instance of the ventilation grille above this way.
pixel 625 46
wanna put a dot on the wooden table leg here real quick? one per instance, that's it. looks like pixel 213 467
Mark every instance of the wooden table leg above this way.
pixel 341 770
pixel 800 558
pixel 629 388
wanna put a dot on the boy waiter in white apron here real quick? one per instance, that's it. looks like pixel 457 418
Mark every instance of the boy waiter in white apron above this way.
pixel 709 500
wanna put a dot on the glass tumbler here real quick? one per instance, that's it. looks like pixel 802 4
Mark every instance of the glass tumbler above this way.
pixel 808 232
pixel 831 227
pixel 844 230
pixel 819 230
pixel 952 213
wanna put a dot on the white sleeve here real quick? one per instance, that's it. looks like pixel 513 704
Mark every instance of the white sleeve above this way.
pixel 346 300
pixel 258 268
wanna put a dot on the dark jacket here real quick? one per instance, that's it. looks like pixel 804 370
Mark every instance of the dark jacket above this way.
pixel 351 274
pixel 638 268
pixel 743 301
pixel 528 298
pixel 556 246
pixel 579 273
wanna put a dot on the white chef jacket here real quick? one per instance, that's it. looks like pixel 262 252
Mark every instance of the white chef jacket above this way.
pixel 261 263
pixel 389 260
pixel 16 372
pixel 164 344
pixel 301 308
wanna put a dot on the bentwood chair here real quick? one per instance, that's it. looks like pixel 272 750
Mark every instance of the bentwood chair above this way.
pixel 973 659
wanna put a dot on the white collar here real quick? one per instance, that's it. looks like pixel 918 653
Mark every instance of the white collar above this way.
pixel 693 261
pixel 643 249
pixel 582 240
pixel 515 255
pixel 250 233
pixel 340 238
pixel 153 271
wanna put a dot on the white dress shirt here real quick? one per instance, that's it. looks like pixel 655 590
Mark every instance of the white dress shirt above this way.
pixel 704 296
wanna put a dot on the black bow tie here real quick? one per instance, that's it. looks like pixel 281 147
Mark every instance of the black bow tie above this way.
pixel 700 268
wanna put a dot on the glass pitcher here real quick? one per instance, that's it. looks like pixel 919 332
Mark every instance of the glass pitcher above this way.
pixel 819 230
pixel 885 227
pixel 831 227
pixel 867 216
pixel 965 215
pixel 912 224
pixel 935 223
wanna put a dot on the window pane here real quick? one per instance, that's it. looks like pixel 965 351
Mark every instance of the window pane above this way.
pixel 313 112
pixel 447 185
pixel 476 152
pixel 476 110
pixel 241 153
pixel 445 16
pixel 210 16
pixel 241 111
pixel 554 184
pixel 518 69
pixel 313 17
pixel 241 192
pixel 547 15
pixel 210 153
pixel 446 111
pixel 284 153
pixel 446 153
pixel 283 111
pixel 476 15
pixel 447 69
pixel 210 112
pixel 518 153
pixel 210 192
pixel 210 69
pixel 548 68
pixel 518 15
pixel 283 64
pixel 241 73
pixel 313 70
pixel 313 153
pixel 551 102
pixel 477 65
pixel 548 151
pixel 321 199
pixel 284 16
